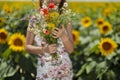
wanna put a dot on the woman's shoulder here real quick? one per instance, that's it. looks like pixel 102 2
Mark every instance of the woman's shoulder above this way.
pixel 32 23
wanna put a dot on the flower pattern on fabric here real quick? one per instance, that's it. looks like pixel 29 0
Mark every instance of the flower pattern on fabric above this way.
pixel 49 68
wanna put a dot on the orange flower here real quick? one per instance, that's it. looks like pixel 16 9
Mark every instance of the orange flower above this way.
pixel 51 5
pixel 47 32
pixel 45 11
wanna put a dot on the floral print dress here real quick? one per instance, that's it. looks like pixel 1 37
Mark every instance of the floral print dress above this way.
pixel 49 68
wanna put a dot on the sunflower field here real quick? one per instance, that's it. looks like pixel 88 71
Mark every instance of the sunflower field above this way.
pixel 96 33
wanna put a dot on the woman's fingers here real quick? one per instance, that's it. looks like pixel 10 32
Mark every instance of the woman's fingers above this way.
pixel 53 48
pixel 55 37
pixel 57 29
pixel 55 34
pixel 58 32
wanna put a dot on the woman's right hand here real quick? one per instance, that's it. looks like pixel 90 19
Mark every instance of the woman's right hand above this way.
pixel 52 48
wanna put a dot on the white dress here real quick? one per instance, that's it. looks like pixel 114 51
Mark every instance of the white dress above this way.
pixel 49 68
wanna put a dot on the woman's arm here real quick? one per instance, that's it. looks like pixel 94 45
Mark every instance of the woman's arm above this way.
pixel 29 47
pixel 68 39
pixel 37 49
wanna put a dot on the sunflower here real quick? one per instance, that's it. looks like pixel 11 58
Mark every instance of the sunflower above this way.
pixel 107 11
pixel 105 27
pixel 17 42
pixel 51 26
pixel 86 21
pixel 75 34
pixel 7 8
pixel 99 21
pixel 2 21
pixel 107 46
pixel 3 36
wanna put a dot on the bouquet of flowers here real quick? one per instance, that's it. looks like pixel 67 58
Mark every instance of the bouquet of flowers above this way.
pixel 48 17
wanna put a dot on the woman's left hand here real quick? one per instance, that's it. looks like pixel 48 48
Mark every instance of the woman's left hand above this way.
pixel 57 32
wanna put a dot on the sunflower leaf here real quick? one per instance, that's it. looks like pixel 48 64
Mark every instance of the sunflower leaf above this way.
pixel 6 53
pixel 90 66
pixel 81 70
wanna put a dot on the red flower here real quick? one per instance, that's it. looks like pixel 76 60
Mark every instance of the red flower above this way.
pixel 45 11
pixel 51 5
pixel 46 32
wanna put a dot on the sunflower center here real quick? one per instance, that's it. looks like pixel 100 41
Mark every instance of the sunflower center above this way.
pixel 105 28
pixel 3 36
pixel 18 42
pixel 8 11
pixel 106 46
pixel 86 21
pixel 100 22
pixel 74 37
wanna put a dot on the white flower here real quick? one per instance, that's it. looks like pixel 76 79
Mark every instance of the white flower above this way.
pixel 44 6
pixel 38 16
pixel 56 7
pixel 65 4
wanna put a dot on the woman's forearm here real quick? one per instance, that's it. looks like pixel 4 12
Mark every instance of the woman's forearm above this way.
pixel 67 43
pixel 34 49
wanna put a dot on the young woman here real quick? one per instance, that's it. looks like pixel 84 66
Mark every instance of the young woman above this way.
pixel 49 68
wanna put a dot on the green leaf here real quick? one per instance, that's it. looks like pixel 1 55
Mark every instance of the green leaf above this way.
pixel 111 75
pixel 101 65
pixel 90 66
pixel 6 70
pixel 6 53
pixel 109 57
pixel 81 70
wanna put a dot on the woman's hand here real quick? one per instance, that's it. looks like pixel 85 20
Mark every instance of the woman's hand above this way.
pixel 52 48
pixel 57 32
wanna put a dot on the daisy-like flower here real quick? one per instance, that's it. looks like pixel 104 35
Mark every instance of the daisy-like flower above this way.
pixel 65 4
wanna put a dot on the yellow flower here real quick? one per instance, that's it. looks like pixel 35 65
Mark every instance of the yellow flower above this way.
pixel 51 26
pixel 76 35
pixel 3 36
pixel 99 21
pixel 105 27
pixel 7 8
pixel 86 21
pixel 107 46
pixel 17 42
pixel 107 11
pixel 53 15
pixel 2 21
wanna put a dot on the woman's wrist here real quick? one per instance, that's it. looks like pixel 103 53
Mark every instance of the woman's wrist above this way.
pixel 64 38
pixel 45 49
